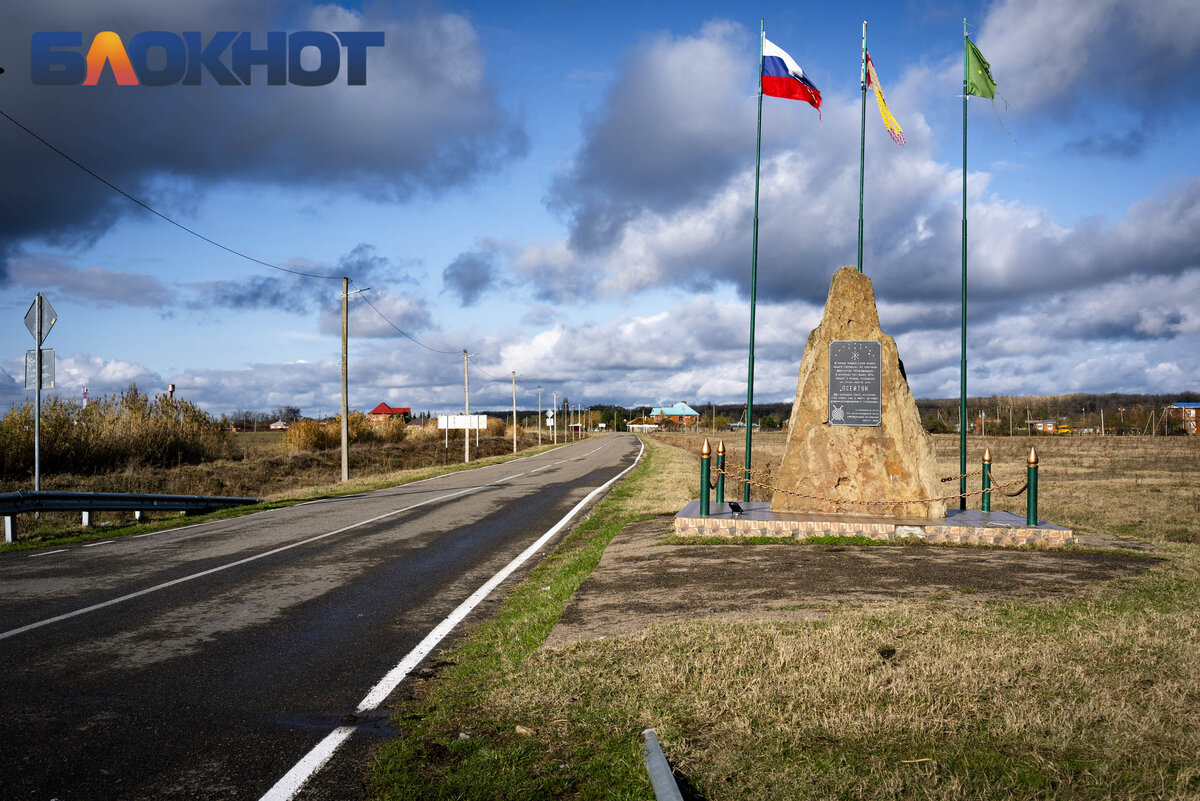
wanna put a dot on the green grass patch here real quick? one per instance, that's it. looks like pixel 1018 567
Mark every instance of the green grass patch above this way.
pixel 434 760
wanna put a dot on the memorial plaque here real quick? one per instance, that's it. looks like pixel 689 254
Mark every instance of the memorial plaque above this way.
pixel 854 383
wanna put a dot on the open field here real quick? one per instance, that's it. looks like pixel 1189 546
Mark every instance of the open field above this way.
pixel 1089 691
pixel 1146 486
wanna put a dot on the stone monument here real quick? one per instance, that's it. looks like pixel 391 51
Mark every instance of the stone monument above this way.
pixel 855 433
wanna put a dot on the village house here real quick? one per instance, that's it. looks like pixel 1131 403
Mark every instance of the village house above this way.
pixel 679 413
pixel 1188 413
pixel 1042 426
pixel 384 412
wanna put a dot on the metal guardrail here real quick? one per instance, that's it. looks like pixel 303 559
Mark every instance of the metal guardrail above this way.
pixel 661 778
pixel 14 503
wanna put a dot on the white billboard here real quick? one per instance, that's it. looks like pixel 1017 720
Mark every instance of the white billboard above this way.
pixel 467 421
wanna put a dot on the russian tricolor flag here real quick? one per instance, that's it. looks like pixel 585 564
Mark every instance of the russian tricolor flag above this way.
pixel 782 77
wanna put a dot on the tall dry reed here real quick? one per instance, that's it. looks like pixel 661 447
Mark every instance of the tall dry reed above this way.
pixel 109 433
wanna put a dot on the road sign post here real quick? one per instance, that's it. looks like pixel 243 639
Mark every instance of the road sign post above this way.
pixel 39 320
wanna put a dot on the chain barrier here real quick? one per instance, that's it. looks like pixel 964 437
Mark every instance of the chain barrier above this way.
pixel 996 486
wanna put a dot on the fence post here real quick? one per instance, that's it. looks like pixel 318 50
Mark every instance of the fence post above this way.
pixel 721 472
pixel 1031 516
pixel 705 472
pixel 985 503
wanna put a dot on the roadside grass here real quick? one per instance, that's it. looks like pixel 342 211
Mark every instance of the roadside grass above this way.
pixel 62 528
pixel 1092 695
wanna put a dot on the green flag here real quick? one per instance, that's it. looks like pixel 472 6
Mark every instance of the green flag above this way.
pixel 979 75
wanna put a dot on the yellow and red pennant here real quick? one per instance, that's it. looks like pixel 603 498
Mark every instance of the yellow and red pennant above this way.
pixel 893 127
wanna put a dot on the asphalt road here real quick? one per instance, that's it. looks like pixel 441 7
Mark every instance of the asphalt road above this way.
pixel 207 661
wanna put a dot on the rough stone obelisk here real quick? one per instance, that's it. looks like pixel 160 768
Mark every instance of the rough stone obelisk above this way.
pixel 855 433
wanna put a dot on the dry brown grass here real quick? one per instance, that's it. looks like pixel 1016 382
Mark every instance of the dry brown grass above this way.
pixel 1089 695
pixel 265 465
pixel 1146 486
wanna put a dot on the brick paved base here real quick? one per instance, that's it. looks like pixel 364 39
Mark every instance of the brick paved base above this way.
pixel 970 527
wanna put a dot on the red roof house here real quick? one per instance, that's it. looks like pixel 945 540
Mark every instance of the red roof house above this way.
pixel 384 412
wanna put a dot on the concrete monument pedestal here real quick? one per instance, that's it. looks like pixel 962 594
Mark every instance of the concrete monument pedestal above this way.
pixel 970 527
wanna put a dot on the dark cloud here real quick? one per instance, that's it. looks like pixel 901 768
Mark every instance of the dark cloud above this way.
pixel 656 142
pixel 107 287
pixel 300 294
pixel 1129 144
pixel 1047 54
pixel 390 139
pixel 470 275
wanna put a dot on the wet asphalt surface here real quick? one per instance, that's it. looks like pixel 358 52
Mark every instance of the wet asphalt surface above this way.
pixel 216 685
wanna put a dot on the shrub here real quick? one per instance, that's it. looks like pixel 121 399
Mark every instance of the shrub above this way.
pixel 310 435
pixel 110 432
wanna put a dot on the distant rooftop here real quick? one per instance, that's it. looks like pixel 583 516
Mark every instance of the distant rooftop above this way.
pixel 679 409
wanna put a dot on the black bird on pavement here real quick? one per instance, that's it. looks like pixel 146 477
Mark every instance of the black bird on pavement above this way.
pixel 736 508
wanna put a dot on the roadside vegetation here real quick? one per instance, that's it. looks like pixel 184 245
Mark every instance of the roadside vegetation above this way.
pixel 1091 694
pixel 136 443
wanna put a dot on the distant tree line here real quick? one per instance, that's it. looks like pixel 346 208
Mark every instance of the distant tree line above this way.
pixel 1121 413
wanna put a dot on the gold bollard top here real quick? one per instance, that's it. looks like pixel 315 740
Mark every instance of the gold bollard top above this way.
pixel 987 455
pixel 721 448
pixel 1032 456
pixel 706 451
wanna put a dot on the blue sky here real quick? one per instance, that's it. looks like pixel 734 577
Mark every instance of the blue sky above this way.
pixel 566 189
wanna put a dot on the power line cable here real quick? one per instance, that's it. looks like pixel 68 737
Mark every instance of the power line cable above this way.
pixel 217 244
pixel 401 331
pixel 156 212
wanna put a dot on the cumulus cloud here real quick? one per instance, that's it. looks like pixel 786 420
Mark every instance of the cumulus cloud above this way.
pixel 103 376
pixel 390 139
pixel 1054 60
pixel 383 314
pixel 1048 300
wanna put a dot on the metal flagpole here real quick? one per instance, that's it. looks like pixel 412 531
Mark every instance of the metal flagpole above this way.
pixel 39 334
pixel 962 397
pixel 762 35
pixel 862 144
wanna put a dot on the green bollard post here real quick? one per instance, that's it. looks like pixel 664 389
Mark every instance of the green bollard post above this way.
pixel 705 472
pixel 1031 516
pixel 985 503
pixel 721 472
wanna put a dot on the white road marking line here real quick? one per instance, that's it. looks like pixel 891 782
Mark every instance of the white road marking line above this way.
pixel 322 500
pixel 219 568
pixel 295 778
pixel 94 544
pixel 540 469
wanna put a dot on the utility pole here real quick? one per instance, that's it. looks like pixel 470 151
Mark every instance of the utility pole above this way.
pixel 345 378
pixel 514 411
pixel 466 411
pixel 539 417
